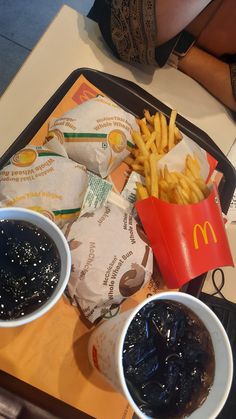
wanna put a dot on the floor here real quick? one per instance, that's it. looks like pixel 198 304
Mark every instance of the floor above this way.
pixel 22 23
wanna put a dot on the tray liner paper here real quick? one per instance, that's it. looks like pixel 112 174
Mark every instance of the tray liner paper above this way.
pixel 57 363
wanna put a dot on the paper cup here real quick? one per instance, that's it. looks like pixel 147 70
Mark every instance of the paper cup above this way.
pixel 106 347
pixel 58 238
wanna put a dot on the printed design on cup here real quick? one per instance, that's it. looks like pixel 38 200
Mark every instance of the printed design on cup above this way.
pixel 95 357
pixel 117 140
pixel 24 158
pixel 55 134
pixel 203 231
pixel 132 280
pixel 102 348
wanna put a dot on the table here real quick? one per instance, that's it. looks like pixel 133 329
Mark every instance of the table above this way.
pixel 37 353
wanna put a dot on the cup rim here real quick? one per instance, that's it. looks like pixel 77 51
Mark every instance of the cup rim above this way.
pixel 164 295
pixel 58 290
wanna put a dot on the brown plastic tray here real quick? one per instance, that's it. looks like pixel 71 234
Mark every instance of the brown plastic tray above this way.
pixel 134 99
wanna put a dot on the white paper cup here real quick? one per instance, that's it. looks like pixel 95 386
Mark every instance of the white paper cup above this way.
pixel 106 347
pixel 64 252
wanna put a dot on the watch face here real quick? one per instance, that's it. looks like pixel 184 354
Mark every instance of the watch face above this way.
pixel 184 43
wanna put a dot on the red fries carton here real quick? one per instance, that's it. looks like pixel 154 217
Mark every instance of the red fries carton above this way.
pixel 187 240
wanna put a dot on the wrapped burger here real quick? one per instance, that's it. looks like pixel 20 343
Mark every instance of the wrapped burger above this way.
pixel 111 259
pixel 96 133
pixel 39 179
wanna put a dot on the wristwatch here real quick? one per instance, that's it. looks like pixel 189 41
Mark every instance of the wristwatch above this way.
pixel 183 45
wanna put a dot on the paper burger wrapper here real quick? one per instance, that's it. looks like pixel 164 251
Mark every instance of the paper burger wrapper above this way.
pixel 42 180
pixel 187 240
pixel 111 260
pixel 97 134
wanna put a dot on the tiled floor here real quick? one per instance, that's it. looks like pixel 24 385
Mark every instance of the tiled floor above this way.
pixel 22 22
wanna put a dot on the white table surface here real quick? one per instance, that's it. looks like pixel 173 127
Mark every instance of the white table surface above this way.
pixel 73 41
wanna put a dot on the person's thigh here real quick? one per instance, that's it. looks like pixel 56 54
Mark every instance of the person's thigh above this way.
pixel 173 16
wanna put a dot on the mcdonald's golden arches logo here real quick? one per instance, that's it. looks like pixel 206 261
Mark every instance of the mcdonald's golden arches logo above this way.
pixel 204 230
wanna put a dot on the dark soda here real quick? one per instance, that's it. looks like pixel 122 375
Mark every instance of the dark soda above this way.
pixel 29 268
pixel 168 360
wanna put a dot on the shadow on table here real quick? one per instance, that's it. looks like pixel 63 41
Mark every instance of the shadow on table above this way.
pixel 93 37
pixel 75 364
pixel 80 349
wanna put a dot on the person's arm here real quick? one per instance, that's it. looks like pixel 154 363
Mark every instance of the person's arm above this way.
pixel 211 73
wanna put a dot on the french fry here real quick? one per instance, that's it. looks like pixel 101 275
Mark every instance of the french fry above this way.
pixel 140 159
pixel 148 183
pixel 143 127
pixel 193 198
pixel 164 134
pixel 151 140
pixel 164 196
pixel 178 196
pixel 157 138
pixel 193 166
pixel 195 188
pixel 182 181
pixel 204 188
pixel 189 174
pixel 154 175
pixel 129 160
pixel 153 148
pixel 148 117
pixel 140 143
pixel 142 192
pixel 185 188
pixel 163 185
pixel 157 129
pixel 173 177
pixel 134 151
pixel 185 196
pixel 171 194
pixel 146 168
pixel 137 167
pixel 171 130
pixel 178 135
pixel 167 175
